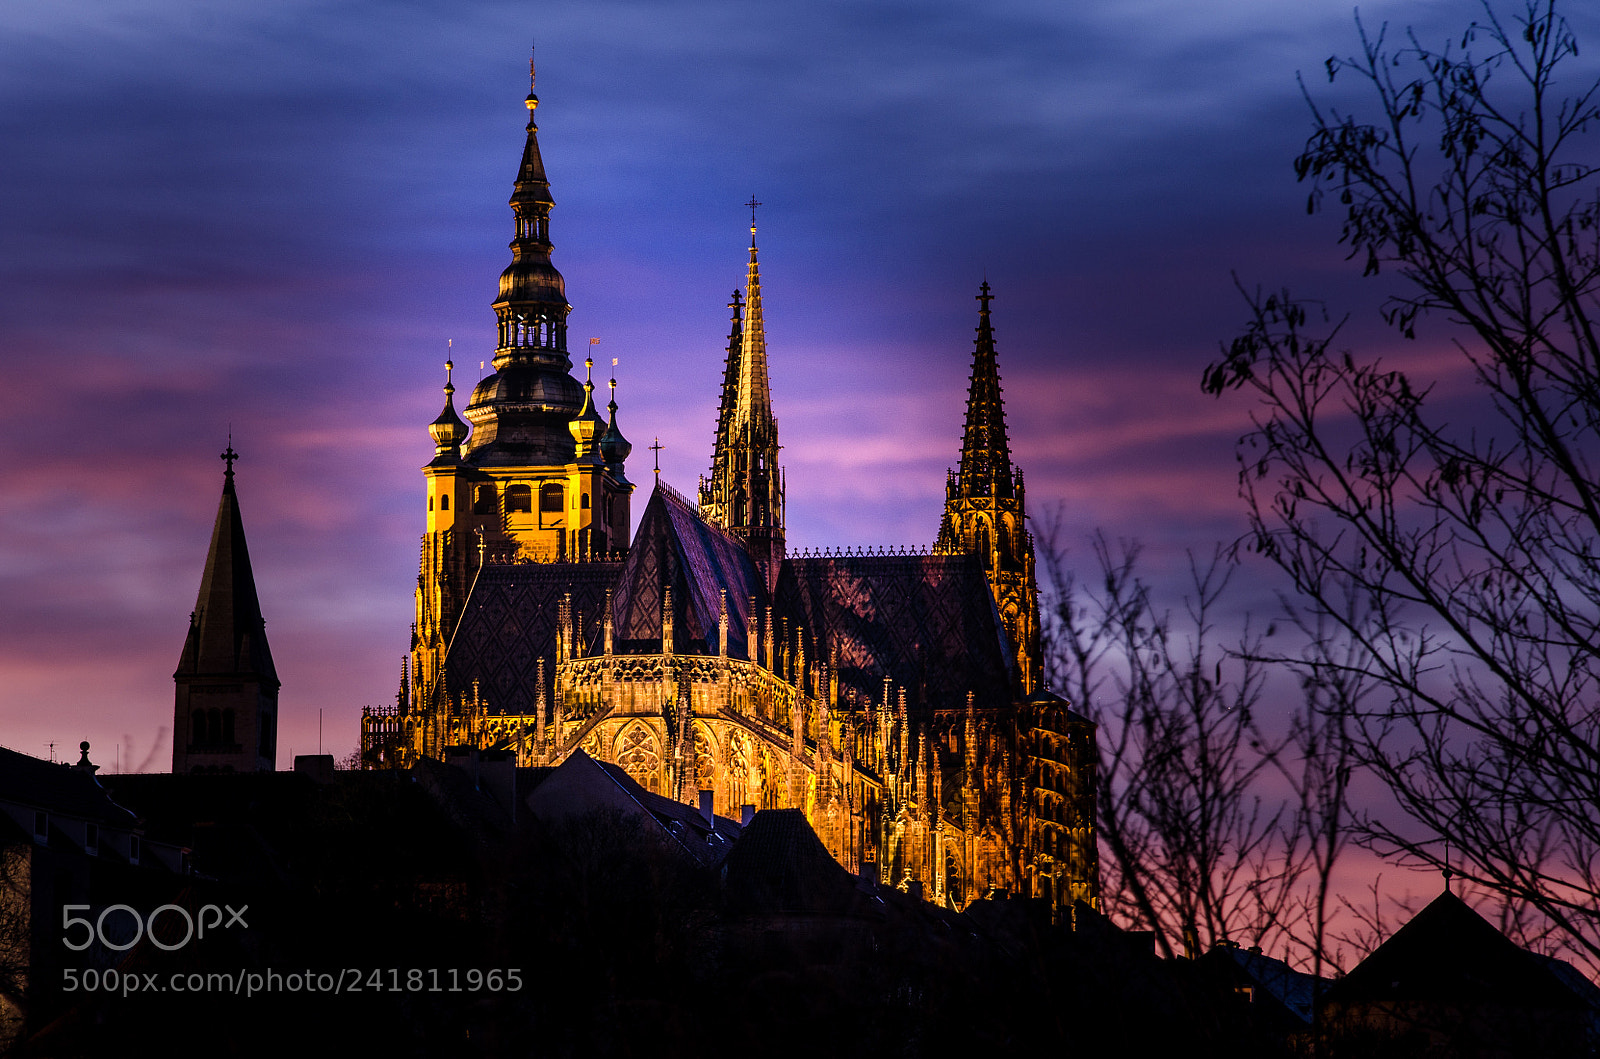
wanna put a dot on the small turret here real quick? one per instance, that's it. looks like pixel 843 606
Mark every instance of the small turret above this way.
pixel 448 430
pixel 614 448
pixel 586 426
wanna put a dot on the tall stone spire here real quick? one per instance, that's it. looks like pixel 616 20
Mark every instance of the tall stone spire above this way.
pixel 226 709
pixel 985 451
pixel 520 413
pixel 753 407
pixel 745 492
pixel 984 511
pixel 712 503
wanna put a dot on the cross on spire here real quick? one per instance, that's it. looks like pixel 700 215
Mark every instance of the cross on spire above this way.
pixel 752 204
pixel 656 448
pixel 228 456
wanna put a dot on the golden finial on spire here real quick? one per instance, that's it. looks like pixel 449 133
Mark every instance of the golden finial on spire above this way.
pixel 449 366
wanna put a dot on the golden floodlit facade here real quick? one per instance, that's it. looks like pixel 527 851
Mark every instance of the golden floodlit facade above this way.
pixel 893 695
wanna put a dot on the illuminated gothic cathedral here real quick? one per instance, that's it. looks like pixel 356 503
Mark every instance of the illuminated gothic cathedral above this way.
pixel 892 695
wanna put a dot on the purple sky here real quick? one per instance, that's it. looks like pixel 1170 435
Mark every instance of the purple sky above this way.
pixel 274 216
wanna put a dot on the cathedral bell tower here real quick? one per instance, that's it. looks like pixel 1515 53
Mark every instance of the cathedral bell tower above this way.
pixel 534 473
pixel 744 493
pixel 225 714
pixel 984 512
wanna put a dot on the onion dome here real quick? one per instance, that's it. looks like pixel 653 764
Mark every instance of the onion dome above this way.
pixel 587 425
pixel 448 430
pixel 614 448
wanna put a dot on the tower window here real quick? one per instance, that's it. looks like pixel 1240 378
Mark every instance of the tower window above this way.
pixel 519 498
pixel 484 503
pixel 430 505
pixel 444 503
pixel 552 497
pixel 585 503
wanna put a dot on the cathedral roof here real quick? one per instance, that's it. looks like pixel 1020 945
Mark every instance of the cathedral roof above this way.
pixel 227 635
pixel 510 622
pixel 926 622
pixel 674 546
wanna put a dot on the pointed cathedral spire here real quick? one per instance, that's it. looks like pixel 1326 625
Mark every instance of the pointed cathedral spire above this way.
pixel 753 406
pixel 985 452
pixel 985 513
pixel 532 305
pixel 745 492
pixel 711 504
pixel 530 355
pixel 226 657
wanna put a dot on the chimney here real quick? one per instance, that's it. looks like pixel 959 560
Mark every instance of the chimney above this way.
pixel 705 808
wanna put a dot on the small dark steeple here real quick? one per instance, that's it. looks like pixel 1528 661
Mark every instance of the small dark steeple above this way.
pixel 226 709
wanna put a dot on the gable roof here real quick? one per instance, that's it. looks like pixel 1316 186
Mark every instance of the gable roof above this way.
pixel 1450 953
pixel 582 785
pixel 780 864
pixel 675 546
pixel 57 788
pixel 927 622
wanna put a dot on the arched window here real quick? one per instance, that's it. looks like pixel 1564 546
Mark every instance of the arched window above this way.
pixel 519 498
pixel 552 498
pixel 585 502
pixel 639 758
pixel 430 505
pixel 444 502
pixel 484 502
pixel 982 543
